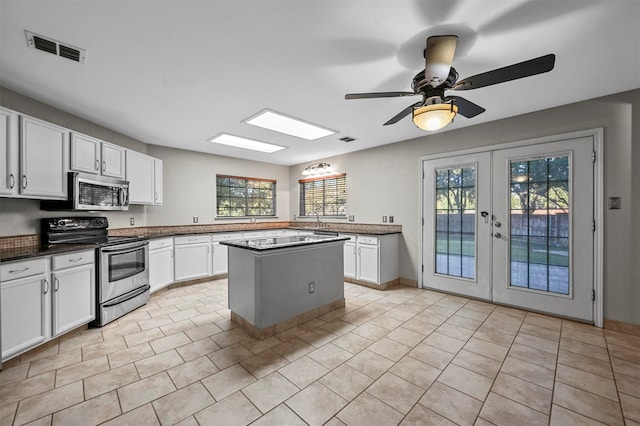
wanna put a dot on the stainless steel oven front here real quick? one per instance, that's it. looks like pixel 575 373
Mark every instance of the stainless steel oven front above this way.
pixel 123 281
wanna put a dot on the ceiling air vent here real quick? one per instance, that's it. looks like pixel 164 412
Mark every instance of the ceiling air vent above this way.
pixel 49 45
pixel 347 139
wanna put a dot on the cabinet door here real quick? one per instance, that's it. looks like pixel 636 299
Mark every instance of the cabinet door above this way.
pixel 368 263
pixel 350 260
pixel 157 181
pixel 113 160
pixel 9 152
pixel 220 259
pixel 85 154
pixel 25 317
pixel 192 261
pixel 160 268
pixel 44 159
pixel 73 297
pixel 140 175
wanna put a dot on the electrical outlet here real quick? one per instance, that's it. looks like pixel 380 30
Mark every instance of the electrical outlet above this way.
pixel 294 217
pixel 132 221
pixel 352 218
pixel 195 219
pixel 390 219
pixel 312 286
pixel 384 219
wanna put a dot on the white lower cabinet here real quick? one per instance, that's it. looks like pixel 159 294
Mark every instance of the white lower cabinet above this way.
pixel 220 252
pixel 26 319
pixel 350 256
pixel 160 263
pixel 372 258
pixel 45 297
pixel 192 257
pixel 73 290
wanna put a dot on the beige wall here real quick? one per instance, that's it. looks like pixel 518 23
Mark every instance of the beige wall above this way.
pixel 189 180
pixel 386 181
pixel 394 171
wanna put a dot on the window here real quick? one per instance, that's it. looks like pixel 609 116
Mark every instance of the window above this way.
pixel 326 196
pixel 245 196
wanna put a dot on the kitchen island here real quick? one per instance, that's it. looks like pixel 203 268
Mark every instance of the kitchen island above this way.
pixel 278 283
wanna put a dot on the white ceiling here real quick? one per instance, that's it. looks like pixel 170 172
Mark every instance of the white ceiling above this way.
pixel 178 72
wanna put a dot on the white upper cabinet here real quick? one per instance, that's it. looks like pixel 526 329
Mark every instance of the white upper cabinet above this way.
pixel 140 174
pixel 85 154
pixel 157 181
pixel 44 159
pixel 91 155
pixel 9 152
pixel 113 160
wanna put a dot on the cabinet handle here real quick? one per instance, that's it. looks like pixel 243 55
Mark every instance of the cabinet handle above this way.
pixel 97 164
pixel 24 181
pixel 156 197
pixel 12 181
pixel 75 260
pixel 56 284
pixel 17 271
pixel 45 284
pixel 354 249
pixel 104 166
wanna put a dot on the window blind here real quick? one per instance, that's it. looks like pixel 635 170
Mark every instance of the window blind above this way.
pixel 326 196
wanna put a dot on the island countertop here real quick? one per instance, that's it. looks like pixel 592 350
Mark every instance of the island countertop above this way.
pixel 272 243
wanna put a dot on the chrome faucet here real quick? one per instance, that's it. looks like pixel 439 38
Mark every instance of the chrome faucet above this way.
pixel 318 220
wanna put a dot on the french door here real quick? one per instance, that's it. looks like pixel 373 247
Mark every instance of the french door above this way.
pixel 513 226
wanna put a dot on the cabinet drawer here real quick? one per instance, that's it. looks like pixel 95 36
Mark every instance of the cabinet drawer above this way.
pixel 25 268
pixel 226 237
pixel 352 238
pixel 252 235
pixel 160 243
pixel 192 239
pixel 367 239
pixel 70 260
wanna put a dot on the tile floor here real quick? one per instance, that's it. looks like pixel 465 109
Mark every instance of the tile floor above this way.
pixel 403 356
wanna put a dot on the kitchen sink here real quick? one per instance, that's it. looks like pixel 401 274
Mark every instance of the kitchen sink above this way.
pixel 325 232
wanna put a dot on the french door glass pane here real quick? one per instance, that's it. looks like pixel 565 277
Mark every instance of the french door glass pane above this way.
pixel 456 222
pixel 539 255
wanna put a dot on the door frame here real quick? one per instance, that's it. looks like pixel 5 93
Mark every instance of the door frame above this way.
pixel 598 209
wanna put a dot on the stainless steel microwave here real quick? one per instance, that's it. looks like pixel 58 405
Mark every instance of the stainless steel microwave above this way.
pixel 92 193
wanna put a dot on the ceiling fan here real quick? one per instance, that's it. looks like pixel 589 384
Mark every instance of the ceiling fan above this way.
pixel 436 109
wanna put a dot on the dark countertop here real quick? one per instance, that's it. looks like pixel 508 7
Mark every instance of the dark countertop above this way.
pixel 261 244
pixel 28 252
pixel 178 234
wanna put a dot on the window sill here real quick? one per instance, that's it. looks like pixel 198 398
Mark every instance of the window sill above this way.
pixel 256 218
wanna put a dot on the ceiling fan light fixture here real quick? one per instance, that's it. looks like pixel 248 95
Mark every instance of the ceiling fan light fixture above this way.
pixel 434 117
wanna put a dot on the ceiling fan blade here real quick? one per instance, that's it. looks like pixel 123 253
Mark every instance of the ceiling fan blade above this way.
pixel 402 114
pixel 512 72
pixel 378 95
pixel 438 58
pixel 466 108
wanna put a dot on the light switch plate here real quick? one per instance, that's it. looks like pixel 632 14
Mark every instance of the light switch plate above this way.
pixel 352 218
pixel 195 219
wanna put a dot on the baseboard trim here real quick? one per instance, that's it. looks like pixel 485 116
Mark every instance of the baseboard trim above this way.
pixel 624 327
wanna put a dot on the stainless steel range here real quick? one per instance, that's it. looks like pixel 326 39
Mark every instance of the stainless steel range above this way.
pixel 123 263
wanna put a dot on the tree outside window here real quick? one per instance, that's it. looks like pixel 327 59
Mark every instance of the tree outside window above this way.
pixel 238 196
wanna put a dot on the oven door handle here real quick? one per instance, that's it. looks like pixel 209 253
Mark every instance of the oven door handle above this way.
pixel 127 296
pixel 125 247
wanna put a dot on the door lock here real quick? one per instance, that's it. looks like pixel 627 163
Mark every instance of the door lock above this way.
pixel 497 224
pixel 497 235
